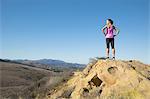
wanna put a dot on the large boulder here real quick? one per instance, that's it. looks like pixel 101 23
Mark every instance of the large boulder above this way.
pixel 107 79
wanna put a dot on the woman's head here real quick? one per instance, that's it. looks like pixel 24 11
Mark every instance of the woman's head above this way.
pixel 109 22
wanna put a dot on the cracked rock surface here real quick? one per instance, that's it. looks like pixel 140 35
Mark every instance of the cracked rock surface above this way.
pixel 107 79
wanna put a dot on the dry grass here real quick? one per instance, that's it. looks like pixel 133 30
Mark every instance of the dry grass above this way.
pixel 19 80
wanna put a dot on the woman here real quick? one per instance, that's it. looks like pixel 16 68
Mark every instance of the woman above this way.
pixel 110 32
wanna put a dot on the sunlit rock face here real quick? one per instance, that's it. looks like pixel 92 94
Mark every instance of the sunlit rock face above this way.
pixel 107 79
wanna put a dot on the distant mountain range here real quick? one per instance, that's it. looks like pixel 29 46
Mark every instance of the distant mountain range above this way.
pixel 46 63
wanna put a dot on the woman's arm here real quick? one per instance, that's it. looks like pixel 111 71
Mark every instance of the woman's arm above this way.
pixel 103 29
pixel 116 30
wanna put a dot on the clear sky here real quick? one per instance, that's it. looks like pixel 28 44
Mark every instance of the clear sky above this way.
pixel 69 30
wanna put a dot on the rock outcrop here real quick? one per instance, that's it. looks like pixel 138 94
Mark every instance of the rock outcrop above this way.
pixel 107 79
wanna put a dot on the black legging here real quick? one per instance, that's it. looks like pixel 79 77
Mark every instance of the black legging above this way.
pixel 110 40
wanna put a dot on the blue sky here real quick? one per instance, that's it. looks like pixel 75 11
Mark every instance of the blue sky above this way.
pixel 69 30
